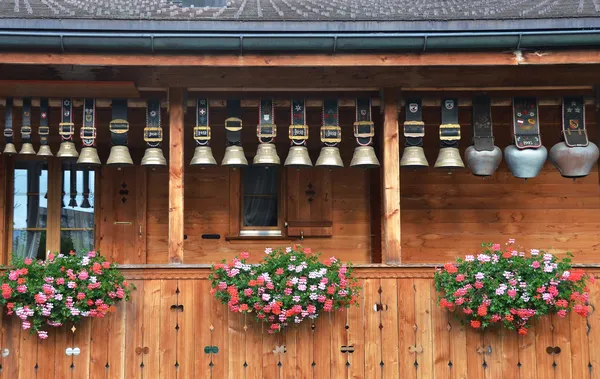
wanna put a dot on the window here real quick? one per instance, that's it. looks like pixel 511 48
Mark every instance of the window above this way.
pixel 30 209
pixel 260 202
pixel 77 209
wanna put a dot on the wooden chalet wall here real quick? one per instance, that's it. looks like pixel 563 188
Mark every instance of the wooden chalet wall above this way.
pixel 172 323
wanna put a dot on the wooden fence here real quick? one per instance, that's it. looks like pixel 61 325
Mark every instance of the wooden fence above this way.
pixel 173 328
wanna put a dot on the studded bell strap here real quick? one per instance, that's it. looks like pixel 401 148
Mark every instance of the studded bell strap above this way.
pixel 26 121
pixel 233 123
pixel 153 135
pixel 573 122
pixel 298 131
pixel 331 133
pixel 202 133
pixel 66 126
pixel 449 129
pixel 266 131
pixel 483 135
pixel 364 129
pixel 88 130
pixel 119 126
pixel 414 127
pixel 526 126
pixel 44 129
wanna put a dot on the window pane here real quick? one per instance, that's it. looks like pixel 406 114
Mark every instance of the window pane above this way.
pixel 261 187
pixel 80 241
pixel 29 244
pixel 30 188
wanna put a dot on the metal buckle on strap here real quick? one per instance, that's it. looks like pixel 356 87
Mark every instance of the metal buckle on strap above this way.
pixel 298 132
pixel 202 133
pixel 8 133
pixel 118 126
pixel 450 132
pixel 25 130
pixel 266 131
pixel 331 134
pixel 414 129
pixel 359 129
pixel 66 128
pixel 153 134
pixel 233 124
pixel 43 130
pixel 85 129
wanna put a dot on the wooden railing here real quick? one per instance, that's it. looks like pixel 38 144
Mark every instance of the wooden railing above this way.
pixel 173 328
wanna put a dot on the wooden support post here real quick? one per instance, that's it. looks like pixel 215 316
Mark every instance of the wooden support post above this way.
pixel 3 210
pixel 176 110
pixel 391 241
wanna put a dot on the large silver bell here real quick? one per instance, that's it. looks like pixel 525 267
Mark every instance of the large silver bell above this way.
pixel 329 158
pixel 449 158
pixel 27 149
pixel 413 157
pixel 67 150
pixel 364 157
pixel 234 157
pixel 298 157
pixel 203 157
pixel 45 151
pixel 119 157
pixel 483 162
pixel 10 149
pixel 525 163
pixel 89 157
pixel 266 155
pixel 574 162
pixel 153 157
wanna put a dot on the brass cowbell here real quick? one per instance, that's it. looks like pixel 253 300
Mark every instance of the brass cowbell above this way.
pixel 413 157
pixel 364 157
pixel 45 151
pixel 67 150
pixel 298 157
pixel 266 155
pixel 89 157
pixel 449 158
pixel 154 157
pixel 329 157
pixel 203 157
pixel 27 149
pixel 234 157
pixel 119 156
pixel 10 149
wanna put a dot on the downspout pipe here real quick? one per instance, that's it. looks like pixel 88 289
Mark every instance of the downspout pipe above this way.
pixel 327 43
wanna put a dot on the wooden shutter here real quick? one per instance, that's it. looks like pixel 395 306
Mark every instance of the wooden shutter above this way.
pixel 309 203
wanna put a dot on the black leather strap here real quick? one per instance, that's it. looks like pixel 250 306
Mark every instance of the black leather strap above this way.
pixel 119 126
pixel 26 121
pixel 298 131
pixel 449 129
pixel 153 132
pixel 331 133
pixel 8 121
pixel 526 126
pixel 364 129
pixel 44 129
pixel 266 129
pixel 233 123
pixel 88 131
pixel 202 130
pixel 66 127
pixel 414 127
pixel 483 135
pixel 573 124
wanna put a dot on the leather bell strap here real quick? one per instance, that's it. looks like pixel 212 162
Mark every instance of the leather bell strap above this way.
pixel 88 131
pixel 153 135
pixel 266 131
pixel 66 126
pixel 483 134
pixel 44 129
pixel 26 121
pixel 233 123
pixel 414 127
pixel 8 121
pixel 331 133
pixel 298 131
pixel 449 129
pixel 119 126
pixel 364 129
pixel 573 122
pixel 202 130
pixel 526 126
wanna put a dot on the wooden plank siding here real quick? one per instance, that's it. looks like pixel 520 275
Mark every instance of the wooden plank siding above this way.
pixel 408 336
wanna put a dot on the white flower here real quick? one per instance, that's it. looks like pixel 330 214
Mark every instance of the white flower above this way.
pixel 566 275
pixel 479 276
pixel 291 268
pixel 534 252
pixel 483 258
pixel 266 297
pixel 85 261
pixel 288 249
pixel 548 257
pixel 268 250
pixel 469 258
pixel 293 258
pixel 93 279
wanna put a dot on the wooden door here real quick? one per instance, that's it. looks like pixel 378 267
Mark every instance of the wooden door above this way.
pixel 309 203
pixel 123 214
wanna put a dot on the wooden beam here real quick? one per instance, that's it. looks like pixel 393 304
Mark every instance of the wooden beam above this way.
pixel 176 168
pixel 54 209
pixel 3 209
pixel 391 237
